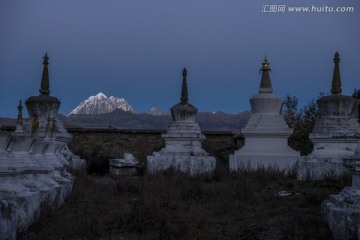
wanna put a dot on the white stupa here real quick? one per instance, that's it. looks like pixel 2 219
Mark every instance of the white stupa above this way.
pixel 34 162
pixel 335 134
pixel 266 133
pixel 183 140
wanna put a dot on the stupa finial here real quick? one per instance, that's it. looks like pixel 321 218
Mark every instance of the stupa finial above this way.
pixel 45 86
pixel 336 81
pixel 20 116
pixel 265 85
pixel 184 90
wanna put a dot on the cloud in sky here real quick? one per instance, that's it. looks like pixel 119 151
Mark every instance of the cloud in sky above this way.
pixel 136 50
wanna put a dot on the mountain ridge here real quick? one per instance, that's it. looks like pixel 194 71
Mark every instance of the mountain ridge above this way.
pixel 126 120
pixel 120 119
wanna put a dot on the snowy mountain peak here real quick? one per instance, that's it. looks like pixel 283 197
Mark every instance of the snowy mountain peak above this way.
pixel 154 111
pixel 100 95
pixel 100 104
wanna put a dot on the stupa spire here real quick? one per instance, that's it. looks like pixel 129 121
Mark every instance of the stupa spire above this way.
pixel 20 116
pixel 45 86
pixel 184 90
pixel 265 85
pixel 336 81
pixel 19 122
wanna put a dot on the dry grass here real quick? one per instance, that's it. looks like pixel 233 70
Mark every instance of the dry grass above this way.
pixel 171 205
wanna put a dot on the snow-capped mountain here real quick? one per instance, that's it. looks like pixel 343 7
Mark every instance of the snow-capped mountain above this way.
pixel 154 111
pixel 102 104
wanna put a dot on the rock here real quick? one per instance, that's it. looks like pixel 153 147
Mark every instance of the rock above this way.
pixel 126 166
pixel 283 194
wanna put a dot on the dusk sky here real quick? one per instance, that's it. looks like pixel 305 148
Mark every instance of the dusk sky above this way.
pixel 136 49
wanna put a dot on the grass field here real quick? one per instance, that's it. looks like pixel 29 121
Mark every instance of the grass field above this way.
pixel 262 204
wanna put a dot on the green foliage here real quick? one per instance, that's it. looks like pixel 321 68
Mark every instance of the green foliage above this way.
pixel 302 122
pixel 292 116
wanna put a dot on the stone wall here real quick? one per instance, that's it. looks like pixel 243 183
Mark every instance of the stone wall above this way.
pixel 113 143
pixel 91 143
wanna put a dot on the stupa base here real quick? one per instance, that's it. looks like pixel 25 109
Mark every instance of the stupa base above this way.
pixel 317 168
pixel 254 162
pixel 189 164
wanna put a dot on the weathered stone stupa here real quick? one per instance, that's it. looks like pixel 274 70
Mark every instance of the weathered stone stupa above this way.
pixel 342 211
pixel 33 161
pixel 335 134
pixel 182 141
pixel 266 133
pixel 44 123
